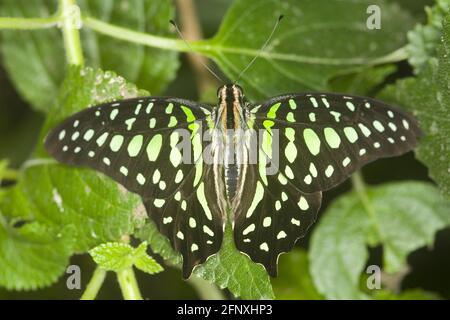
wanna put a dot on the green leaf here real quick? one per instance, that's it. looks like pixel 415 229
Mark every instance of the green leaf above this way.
pixel 59 199
pixel 3 167
pixel 159 243
pixel 400 216
pixel 33 255
pixel 414 294
pixel 116 256
pixel 428 97
pixel 364 82
pixel 415 7
pixel 113 256
pixel 228 268
pixel 424 39
pixel 147 264
pixel 35 60
pixel 316 41
pixel 235 271
pixel 148 68
pixel 294 281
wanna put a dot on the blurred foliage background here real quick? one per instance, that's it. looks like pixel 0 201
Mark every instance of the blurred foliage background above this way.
pixel 427 274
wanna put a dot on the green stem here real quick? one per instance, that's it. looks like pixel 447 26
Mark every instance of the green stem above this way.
pixel 360 187
pixel 74 53
pixel 94 284
pixel 71 22
pixel 29 23
pixel 128 284
pixel 205 47
pixel 136 36
pixel 206 290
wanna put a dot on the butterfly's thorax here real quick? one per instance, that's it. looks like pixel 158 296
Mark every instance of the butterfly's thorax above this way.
pixel 231 119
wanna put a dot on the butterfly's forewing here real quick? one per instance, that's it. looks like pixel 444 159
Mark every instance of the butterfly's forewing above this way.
pixel 137 143
pixel 321 139
pixel 324 138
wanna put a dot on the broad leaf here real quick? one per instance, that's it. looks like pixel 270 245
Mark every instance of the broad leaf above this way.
pixel 363 83
pixel 35 60
pixel 402 217
pixel 428 97
pixel 316 41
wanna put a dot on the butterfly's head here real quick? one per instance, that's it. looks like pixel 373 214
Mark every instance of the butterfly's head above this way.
pixel 230 93
pixel 231 103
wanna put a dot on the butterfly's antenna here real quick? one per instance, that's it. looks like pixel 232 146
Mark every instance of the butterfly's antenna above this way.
pixel 260 50
pixel 190 48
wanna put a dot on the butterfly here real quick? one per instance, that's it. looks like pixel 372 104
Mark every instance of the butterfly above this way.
pixel 193 183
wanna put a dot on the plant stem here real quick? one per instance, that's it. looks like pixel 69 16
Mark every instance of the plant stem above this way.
pixel 360 187
pixel 94 284
pixel 128 284
pixel 206 290
pixel 191 29
pixel 135 36
pixel 211 49
pixel 29 23
pixel 71 22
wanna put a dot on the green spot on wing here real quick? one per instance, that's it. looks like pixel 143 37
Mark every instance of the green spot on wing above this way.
pixel 189 115
pixel 154 147
pixel 273 111
pixel 312 141
pixel 135 145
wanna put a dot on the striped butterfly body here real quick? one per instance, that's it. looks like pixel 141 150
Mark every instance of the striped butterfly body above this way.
pixel 196 166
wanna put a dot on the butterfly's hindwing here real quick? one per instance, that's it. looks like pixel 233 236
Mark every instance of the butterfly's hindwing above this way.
pixel 136 142
pixel 271 216
pixel 190 219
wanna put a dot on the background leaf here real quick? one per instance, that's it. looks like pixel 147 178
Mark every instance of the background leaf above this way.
pixel 424 39
pixel 35 61
pixel 428 97
pixel 33 255
pixel 334 41
pixel 294 281
pixel 404 217
pixel 363 83
pixel 415 294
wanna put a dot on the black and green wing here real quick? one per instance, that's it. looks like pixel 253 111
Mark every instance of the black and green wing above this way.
pixel 138 142
pixel 315 141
